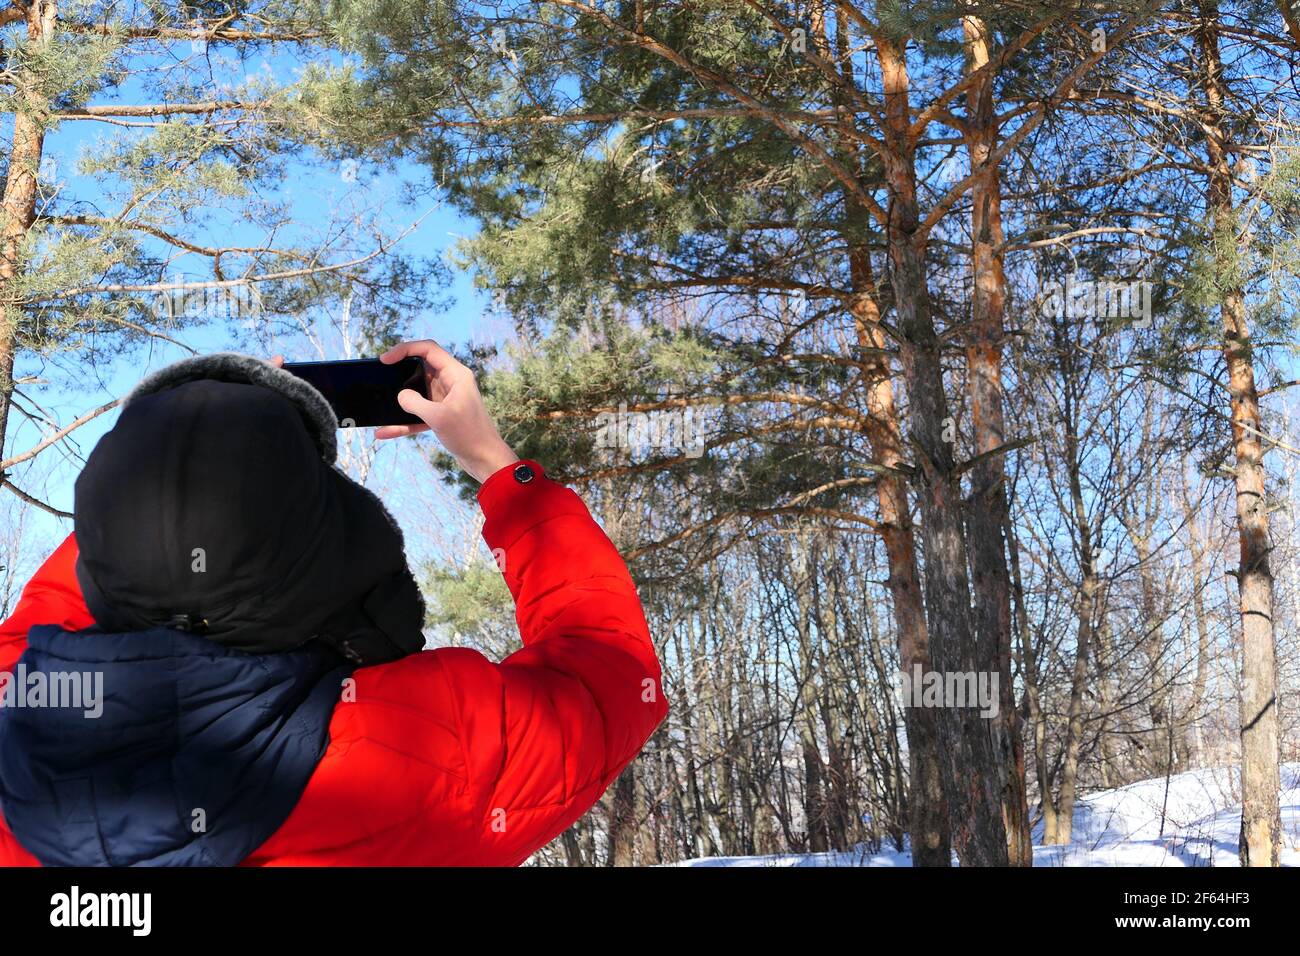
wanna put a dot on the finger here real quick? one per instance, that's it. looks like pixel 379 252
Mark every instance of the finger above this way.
pixel 277 361
pixel 412 401
pixel 434 355
pixel 399 431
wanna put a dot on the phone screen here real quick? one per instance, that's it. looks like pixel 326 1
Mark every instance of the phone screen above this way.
pixel 363 392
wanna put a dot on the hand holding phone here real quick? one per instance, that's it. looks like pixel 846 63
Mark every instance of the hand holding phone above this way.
pixel 452 407
pixel 411 388
pixel 363 392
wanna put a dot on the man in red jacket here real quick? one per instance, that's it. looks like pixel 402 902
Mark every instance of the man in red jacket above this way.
pixel 247 616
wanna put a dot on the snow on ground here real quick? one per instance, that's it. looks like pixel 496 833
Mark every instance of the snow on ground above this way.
pixel 1121 827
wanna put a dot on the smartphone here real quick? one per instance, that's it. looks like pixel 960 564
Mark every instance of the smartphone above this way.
pixel 363 392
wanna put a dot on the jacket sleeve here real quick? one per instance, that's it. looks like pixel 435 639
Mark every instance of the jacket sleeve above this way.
pixel 52 596
pixel 584 694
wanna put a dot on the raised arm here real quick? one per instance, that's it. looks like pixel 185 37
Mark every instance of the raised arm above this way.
pixel 548 729
pixel 582 697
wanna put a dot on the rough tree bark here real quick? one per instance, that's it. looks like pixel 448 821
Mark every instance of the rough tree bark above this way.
pixel 927 808
pixel 1085 629
pixel 19 203
pixel 1260 841
pixel 1192 746
pixel 972 781
pixel 988 510
pixel 622 820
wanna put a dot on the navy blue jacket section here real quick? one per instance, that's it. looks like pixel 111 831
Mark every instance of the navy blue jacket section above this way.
pixel 198 756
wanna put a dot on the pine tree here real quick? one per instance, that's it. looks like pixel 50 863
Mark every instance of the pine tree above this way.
pixel 195 125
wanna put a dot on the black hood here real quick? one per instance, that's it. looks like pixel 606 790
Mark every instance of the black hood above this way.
pixel 214 505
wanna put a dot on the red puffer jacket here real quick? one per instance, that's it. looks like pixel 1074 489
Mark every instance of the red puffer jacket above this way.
pixel 443 757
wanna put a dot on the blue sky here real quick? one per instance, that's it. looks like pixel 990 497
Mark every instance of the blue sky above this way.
pixel 316 191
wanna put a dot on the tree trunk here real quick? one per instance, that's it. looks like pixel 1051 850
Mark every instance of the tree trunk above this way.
pixel 1074 716
pixel 972 776
pixel 1033 693
pixel 1086 615
pixel 622 820
pixel 815 804
pixel 1260 841
pixel 1192 745
pixel 988 511
pixel 19 203
pixel 1141 531
pixel 841 797
pixel 927 807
